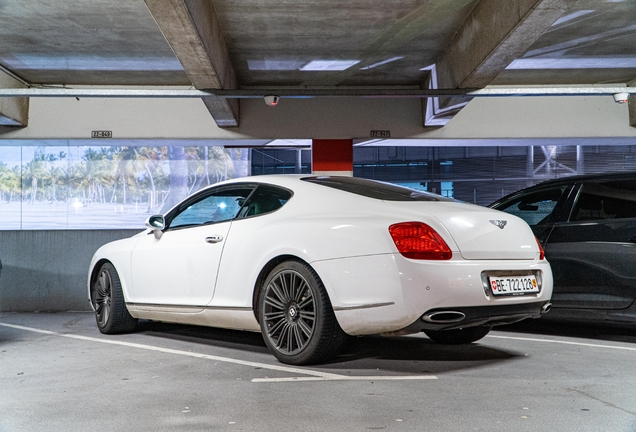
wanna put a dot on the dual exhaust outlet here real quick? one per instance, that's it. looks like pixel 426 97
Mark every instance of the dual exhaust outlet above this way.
pixel 449 317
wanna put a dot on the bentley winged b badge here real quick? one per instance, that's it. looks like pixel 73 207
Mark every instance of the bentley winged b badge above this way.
pixel 498 223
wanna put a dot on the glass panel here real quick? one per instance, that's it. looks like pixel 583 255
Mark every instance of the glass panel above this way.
pixel 265 199
pixel 221 206
pixel 534 208
pixel 101 187
pixel 612 200
pixel 377 190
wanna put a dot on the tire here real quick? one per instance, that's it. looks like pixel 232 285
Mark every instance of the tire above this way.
pixel 111 313
pixel 458 336
pixel 297 321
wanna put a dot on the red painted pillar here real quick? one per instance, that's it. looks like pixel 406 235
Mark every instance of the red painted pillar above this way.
pixel 332 157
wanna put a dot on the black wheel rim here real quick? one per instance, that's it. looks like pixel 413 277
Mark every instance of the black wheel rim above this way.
pixel 103 293
pixel 289 312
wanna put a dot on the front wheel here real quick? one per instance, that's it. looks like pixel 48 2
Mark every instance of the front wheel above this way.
pixel 458 336
pixel 296 317
pixel 111 313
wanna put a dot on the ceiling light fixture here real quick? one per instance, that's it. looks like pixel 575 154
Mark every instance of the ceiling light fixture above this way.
pixel 329 65
pixel 383 62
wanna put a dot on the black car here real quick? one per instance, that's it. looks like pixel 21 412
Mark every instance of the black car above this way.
pixel 587 226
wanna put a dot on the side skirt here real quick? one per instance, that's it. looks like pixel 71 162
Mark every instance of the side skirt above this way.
pixel 229 318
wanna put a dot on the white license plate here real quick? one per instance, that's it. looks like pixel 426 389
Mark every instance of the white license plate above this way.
pixel 513 285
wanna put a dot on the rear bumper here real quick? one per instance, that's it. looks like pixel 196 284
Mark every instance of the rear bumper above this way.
pixel 384 294
pixel 434 319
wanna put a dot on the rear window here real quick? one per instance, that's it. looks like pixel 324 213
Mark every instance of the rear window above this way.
pixel 375 189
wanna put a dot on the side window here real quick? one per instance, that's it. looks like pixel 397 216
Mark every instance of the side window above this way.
pixel 611 200
pixel 535 207
pixel 219 206
pixel 264 200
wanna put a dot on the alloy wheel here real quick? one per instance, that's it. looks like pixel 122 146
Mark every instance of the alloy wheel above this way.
pixel 103 298
pixel 289 312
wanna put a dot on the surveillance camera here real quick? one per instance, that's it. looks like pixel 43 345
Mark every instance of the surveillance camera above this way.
pixel 621 98
pixel 271 100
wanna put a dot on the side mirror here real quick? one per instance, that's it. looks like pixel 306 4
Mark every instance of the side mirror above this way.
pixel 157 224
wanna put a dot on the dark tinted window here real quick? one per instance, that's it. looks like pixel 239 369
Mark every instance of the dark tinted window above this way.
pixel 375 189
pixel 264 200
pixel 533 207
pixel 217 206
pixel 611 200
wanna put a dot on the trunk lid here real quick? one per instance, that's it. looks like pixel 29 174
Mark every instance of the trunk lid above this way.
pixel 480 233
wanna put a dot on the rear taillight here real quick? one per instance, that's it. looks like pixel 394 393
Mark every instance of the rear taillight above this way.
pixel 541 251
pixel 416 240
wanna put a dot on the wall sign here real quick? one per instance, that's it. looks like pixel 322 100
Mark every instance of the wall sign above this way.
pixel 380 134
pixel 102 134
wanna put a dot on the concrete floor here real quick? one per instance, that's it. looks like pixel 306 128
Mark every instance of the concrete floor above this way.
pixel 58 373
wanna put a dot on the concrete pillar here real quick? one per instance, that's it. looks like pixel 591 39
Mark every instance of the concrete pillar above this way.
pixel 580 160
pixel 298 169
pixel 332 157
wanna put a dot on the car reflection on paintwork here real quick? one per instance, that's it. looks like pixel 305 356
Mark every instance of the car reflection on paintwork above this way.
pixel 587 225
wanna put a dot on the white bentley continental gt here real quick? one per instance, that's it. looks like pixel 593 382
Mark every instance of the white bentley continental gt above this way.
pixel 309 260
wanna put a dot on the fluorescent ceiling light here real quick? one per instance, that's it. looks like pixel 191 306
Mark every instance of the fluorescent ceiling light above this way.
pixel 274 65
pixel 574 63
pixel 91 63
pixel 329 65
pixel 383 62
pixel 289 143
pixel 571 16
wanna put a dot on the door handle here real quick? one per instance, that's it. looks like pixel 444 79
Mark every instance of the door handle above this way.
pixel 214 239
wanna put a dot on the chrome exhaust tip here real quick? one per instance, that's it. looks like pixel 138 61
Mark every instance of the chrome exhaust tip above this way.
pixel 444 317
pixel 546 308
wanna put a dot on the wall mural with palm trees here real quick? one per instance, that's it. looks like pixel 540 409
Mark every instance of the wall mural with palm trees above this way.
pixel 73 187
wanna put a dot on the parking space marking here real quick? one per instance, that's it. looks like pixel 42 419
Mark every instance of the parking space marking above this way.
pixel 350 378
pixel 563 342
pixel 313 374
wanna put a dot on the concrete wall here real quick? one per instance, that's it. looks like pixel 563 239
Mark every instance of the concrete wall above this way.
pixel 47 270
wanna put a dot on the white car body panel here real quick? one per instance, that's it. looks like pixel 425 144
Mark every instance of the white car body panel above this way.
pixel 344 237
pixel 369 299
pixel 180 268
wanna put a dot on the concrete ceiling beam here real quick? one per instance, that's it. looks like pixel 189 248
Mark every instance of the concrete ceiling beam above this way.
pixel 494 34
pixel 192 30
pixel 14 112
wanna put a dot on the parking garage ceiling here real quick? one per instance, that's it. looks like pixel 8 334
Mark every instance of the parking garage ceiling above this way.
pixel 298 46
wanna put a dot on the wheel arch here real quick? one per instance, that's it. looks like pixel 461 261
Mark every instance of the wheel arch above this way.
pixel 267 268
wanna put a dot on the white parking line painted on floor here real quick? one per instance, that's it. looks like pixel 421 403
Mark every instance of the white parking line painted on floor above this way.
pixel 315 375
pixel 563 342
pixel 350 378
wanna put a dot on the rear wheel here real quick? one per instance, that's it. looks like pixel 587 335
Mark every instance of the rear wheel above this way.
pixel 111 313
pixel 458 336
pixel 296 317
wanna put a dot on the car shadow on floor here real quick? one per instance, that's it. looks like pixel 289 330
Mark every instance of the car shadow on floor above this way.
pixel 406 354
pixel 416 355
pixel 551 327
pixel 212 336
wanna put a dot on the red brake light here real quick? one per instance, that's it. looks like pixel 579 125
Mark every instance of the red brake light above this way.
pixel 541 251
pixel 417 240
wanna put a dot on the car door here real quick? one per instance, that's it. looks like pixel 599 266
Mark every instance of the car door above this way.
pixel 593 252
pixel 180 267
